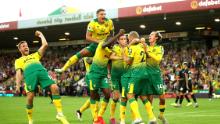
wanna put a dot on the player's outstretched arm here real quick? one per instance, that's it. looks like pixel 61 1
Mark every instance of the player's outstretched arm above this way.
pixel 18 80
pixel 111 40
pixel 44 43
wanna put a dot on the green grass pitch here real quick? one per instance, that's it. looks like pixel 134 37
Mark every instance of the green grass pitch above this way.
pixel 12 111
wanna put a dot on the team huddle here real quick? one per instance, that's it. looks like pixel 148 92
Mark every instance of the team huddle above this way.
pixel 125 58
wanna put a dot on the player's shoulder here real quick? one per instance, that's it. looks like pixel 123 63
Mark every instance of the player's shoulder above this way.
pixel 131 46
pixel 159 46
pixel 18 59
pixel 37 53
pixel 108 20
pixel 116 46
pixel 100 44
pixel 136 46
pixel 93 21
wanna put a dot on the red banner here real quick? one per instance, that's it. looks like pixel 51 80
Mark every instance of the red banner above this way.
pixel 8 26
pixel 179 6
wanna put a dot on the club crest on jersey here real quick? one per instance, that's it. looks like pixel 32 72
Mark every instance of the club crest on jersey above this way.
pixel 106 24
pixel 129 51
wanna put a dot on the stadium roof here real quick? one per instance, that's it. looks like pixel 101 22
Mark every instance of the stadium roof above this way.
pixel 189 21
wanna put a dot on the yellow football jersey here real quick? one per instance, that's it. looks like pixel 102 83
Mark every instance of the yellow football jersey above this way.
pixel 125 54
pixel 155 54
pixel 100 31
pixel 100 60
pixel 137 52
pixel 29 63
pixel 101 56
pixel 118 52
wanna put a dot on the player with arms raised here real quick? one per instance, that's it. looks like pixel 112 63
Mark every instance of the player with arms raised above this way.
pixel 98 30
pixel 30 67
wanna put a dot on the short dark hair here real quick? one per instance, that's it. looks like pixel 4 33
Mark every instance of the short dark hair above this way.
pixel 19 44
pixel 99 10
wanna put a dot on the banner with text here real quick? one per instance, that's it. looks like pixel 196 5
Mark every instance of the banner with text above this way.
pixel 177 6
pixel 8 26
pixel 64 19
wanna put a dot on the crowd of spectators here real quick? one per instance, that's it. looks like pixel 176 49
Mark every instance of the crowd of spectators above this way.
pixel 203 63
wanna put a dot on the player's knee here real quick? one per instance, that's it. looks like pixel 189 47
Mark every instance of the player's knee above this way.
pixel 93 95
pixel 143 97
pixel 115 100
pixel 30 95
pixel 130 96
pixel 123 100
pixel 116 96
pixel 162 101
pixel 54 89
pixel 107 95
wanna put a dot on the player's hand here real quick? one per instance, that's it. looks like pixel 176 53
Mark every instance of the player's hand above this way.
pixel 38 33
pixel 121 31
pixel 134 41
pixel 143 41
pixel 58 70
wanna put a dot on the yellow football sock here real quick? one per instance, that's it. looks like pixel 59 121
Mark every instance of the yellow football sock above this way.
pixel 57 103
pixel 70 62
pixel 149 110
pixel 134 108
pixel 94 110
pixel 104 105
pixel 162 109
pixel 85 106
pixel 113 108
pixel 97 104
pixel 29 110
pixel 132 115
pixel 122 111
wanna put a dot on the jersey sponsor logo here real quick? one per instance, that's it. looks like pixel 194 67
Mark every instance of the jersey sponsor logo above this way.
pixel 89 28
pixel 106 24
pixel 28 59
pixel 100 34
pixel 194 4
pixel 129 51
